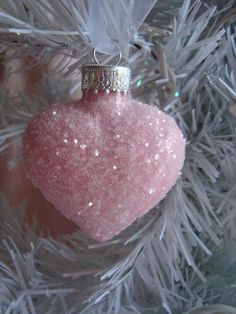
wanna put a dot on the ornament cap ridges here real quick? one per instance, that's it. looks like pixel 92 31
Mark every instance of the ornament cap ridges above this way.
pixel 105 78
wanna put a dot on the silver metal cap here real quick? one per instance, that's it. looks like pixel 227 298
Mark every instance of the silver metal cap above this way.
pixel 106 78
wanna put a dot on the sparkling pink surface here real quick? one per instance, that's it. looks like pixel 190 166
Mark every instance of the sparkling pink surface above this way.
pixel 103 161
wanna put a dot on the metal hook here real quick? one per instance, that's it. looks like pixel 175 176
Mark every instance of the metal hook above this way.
pixel 119 58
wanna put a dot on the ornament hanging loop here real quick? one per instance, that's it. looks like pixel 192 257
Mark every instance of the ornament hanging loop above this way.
pixel 106 78
pixel 119 56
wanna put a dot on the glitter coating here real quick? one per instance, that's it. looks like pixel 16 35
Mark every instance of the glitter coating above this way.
pixel 103 161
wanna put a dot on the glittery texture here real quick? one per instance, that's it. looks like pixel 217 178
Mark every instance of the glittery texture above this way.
pixel 103 161
pixel 107 78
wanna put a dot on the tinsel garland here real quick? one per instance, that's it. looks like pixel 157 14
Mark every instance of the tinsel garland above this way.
pixel 181 255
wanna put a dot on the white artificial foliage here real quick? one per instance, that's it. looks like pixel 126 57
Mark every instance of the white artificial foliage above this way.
pixel 167 261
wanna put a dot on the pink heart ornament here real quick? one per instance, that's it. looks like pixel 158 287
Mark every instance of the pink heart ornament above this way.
pixel 103 161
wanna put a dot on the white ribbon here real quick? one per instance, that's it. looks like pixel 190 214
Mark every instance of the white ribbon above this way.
pixel 115 21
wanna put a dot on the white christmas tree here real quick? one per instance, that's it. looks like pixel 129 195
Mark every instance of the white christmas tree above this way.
pixel 180 257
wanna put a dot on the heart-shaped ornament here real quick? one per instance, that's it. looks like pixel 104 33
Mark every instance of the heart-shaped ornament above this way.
pixel 103 161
